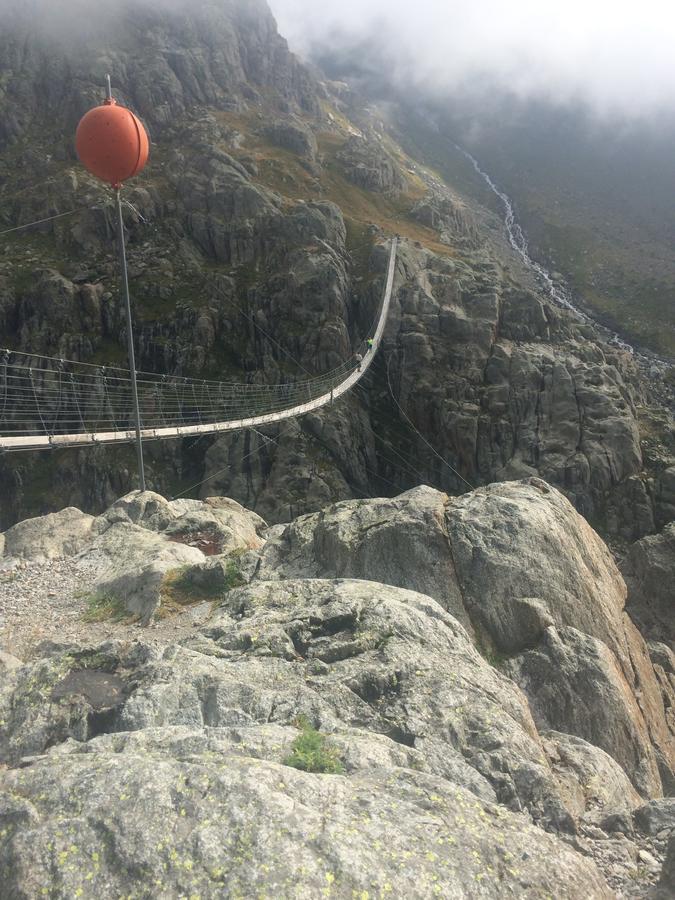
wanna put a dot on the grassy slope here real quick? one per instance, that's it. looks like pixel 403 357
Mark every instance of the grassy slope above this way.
pixel 285 173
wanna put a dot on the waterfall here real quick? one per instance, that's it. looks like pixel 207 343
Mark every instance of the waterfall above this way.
pixel 559 293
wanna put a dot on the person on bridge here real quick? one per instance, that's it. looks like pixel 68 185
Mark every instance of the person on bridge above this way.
pixel 359 360
pixel 370 344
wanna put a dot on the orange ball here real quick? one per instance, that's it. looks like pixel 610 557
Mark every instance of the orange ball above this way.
pixel 112 143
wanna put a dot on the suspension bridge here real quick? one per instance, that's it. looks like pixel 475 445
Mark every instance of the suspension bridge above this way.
pixel 50 403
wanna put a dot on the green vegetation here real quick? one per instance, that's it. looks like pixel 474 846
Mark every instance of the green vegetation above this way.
pixel 90 659
pixel 233 577
pixel 313 753
pixel 245 277
pixel 110 353
pixel 287 174
pixel 360 243
pixel 390 212
pixel 182 587
pixel 104 607
pixel 493 657
pixel 191 584
pixel 490 653
pixel 621 277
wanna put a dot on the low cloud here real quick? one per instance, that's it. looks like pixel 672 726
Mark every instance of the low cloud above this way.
pixel 613 55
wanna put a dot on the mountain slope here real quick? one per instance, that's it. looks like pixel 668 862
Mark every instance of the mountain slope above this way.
pixel 255 247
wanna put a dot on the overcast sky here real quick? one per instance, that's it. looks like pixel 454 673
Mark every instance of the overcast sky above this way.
pixel 617 55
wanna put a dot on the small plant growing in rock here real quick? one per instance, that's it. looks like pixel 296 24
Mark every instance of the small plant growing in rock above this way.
pixel 191 584
pixel 183 586
pixel 233 577
pixel 311 752
pixel 103 607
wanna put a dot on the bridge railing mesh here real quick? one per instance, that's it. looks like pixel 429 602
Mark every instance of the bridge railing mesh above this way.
pixel 43 396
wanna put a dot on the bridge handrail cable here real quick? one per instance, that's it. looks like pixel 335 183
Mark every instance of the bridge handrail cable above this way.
pixel 50 402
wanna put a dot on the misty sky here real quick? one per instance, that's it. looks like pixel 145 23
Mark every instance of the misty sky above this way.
pixel 618 56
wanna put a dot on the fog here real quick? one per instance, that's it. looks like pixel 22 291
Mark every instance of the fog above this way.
pixel 77 17
pixel 615 56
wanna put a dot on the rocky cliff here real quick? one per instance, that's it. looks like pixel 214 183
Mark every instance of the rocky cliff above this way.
pixel 414 696
pixel 255 253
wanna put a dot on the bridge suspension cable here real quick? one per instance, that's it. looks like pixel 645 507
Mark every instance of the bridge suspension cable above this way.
pixel 47 402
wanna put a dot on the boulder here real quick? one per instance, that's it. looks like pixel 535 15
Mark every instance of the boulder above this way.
pixel 143 508
pixel 529 579
pixel 513 542
pixel 574 685
pixel 667 879
pixel 597 791
pixel 370 166
pixel 132 563
pixel 400 541
pixel 293 135
pixel 63 533
pixel 525 559
pixel 217 525
pixel 222 523
pixel 656 816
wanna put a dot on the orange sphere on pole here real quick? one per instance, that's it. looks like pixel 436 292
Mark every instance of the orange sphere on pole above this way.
pixel 112 143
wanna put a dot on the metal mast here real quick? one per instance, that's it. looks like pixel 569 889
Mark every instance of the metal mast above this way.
pixel 130 332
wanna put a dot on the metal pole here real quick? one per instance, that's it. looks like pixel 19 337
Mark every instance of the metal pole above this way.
pixel 109 86
pixel 130 340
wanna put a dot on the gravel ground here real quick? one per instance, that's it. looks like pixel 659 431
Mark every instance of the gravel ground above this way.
pixel 47 601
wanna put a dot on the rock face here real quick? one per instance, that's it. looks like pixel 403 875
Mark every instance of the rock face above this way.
pixel 595 787
pixel 370 166
pixel 519 567
pixel 649 570
pixel 451 219
pixel 656 817
pixel 402 542
pixel 527 393
pixel 384 671
pixel 294 135
pixel 213 823
pixel 504 754
pixel 668 874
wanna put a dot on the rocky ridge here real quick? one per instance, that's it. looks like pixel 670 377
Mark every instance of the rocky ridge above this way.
pixel 469 661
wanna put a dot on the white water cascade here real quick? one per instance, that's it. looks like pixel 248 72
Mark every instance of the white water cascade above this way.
pixel 556 291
